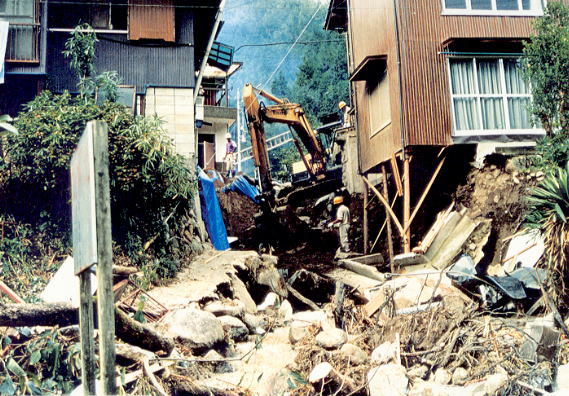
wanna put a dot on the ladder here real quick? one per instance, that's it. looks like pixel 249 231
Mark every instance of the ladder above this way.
pixel 272 143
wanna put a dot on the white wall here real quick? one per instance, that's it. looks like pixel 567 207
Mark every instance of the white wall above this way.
pixel 176 107
pixel 219 130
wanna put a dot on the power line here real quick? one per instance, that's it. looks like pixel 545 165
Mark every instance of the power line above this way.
pixel 287 42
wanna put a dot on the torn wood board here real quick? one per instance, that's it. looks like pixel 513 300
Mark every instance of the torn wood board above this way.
pixel 63 287
pixel 357 282
pixel 370 259
pixel 362 269
pixel 451 238
pixel 433 231
pixel 10 293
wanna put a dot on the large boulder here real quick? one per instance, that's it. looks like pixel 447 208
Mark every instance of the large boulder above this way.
pixel 194 328
pixel 234 328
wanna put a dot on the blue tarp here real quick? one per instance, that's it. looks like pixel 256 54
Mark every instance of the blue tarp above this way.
pixel 211 213
pixel 242 186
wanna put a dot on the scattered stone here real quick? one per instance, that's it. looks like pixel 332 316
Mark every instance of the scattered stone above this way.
pixel 490 386
pixel 331 338
pixel 354 353
pixel 384 353
pixel 459 376
pixel 319 372
pixel 515 180
pixel 219 365
pixel 221 308
pixel 234 328
pixel 254 322
pixel 241 293
pixel 562 380
pixel 306 318
pixel 297 333
pixel 442 377
pixel 387 380
pixel 418 372
pixel 285 311
pixel 271 301
pixel 194 328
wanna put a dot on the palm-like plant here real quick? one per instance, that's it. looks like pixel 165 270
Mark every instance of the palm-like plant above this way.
pixel 6 126
pixel 549 212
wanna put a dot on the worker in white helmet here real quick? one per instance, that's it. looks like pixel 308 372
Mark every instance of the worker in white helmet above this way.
pixel 345 109
pixel 229 158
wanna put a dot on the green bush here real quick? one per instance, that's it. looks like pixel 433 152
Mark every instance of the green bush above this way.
pixel 151 185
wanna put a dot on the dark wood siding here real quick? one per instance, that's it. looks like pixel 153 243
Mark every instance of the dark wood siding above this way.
pixel 423 30
pixel 372 32
pixel 137 64
pixel 151 19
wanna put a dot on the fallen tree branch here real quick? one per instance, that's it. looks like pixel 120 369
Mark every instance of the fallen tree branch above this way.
pixel 63 315
pixel 303 299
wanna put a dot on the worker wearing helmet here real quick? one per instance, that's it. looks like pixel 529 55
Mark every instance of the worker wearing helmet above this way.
pixel 343 223
pixel 229 158
pixel 345 109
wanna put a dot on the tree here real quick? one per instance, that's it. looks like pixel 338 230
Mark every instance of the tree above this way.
pixel 546 66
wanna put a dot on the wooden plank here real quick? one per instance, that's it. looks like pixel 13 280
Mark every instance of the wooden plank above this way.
pixel 433 231
pixel 426 191
pixel 10 293
pixel 406 206
pixel 366 221
pixel 387 220
pixel 86 334
pixel 362 269
pixel 105 300
pixel 396 175
pixel 386 204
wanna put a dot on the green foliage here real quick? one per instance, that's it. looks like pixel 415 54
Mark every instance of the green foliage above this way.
pixel 151 186
pixel 550 200
pixel 282 159
pixel 80 47
pixel 44 364
pixel 546 66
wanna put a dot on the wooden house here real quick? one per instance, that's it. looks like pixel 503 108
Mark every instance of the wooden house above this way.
pixel 429 74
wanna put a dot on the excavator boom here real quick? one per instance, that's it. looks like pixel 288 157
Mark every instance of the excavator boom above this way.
pixel 283 112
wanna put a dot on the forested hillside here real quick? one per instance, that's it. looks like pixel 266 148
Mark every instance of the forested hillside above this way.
pixel 313 74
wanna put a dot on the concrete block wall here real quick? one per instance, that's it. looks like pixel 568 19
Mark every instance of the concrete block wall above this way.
pixel 176 107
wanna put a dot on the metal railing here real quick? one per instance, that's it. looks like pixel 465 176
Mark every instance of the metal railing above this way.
pixel 23 43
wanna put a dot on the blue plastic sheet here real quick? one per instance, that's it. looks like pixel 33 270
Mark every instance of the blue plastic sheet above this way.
pixel 211 213
pixel 242 186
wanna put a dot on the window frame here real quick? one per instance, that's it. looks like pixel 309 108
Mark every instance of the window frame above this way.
pixel 468 11
pixel 34 24
pixel 504 95
pixel 99 29
pixel 373 132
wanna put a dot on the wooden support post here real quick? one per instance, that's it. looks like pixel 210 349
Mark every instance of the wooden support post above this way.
pixel 383 225
pixel 86 334
pixel 396 174
pixel 388 220
pixel 105 300
pixel 425 192
pixel 386 204
pixel 366 220
pixel 406 206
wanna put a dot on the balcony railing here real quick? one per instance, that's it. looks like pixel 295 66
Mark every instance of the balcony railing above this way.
pixel 23 43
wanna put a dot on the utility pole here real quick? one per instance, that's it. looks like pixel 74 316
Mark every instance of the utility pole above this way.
pixel 238 105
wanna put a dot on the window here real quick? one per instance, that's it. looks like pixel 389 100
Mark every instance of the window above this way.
pixel 489 96
pixel 151 20
pixel 493 7
pixel 100 14
pixel 379 103
pixel 23 34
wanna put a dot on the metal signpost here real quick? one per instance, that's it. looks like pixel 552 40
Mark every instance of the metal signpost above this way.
pixel 92 245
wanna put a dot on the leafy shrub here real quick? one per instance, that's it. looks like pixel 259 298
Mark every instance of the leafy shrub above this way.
pixel 151 186
pixel 549 212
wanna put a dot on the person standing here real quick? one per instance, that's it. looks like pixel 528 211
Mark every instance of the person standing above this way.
pixel 345 109
pixel 229 158
pixel 343 222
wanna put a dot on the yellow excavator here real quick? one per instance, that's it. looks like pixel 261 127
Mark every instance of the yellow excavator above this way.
pixel 316 159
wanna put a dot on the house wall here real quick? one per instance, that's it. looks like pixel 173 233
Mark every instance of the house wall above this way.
pixel 425 83
pixel 137 63
pixel 372 32
pixel 219 130
pixel 175 107
pixel 423 30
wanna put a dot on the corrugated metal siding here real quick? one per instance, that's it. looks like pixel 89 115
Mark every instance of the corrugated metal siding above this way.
pixel 151 19
pixel 372 32
pixel 423 29
pixel 137 65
